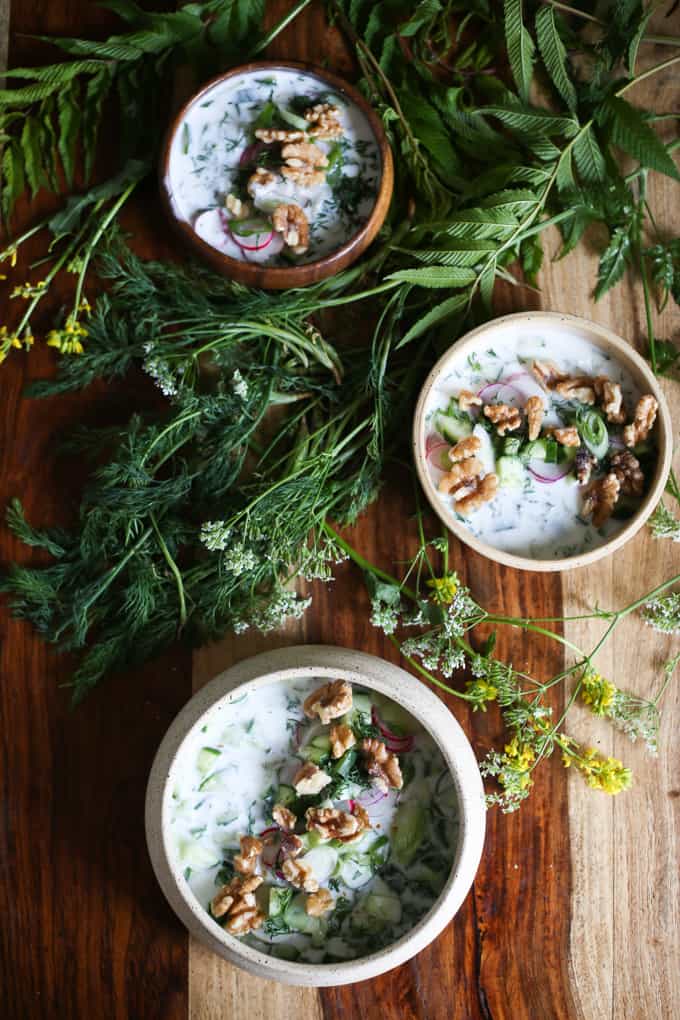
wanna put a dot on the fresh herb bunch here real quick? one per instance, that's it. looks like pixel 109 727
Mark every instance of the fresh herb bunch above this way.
pixel 186 526
pixel 431 600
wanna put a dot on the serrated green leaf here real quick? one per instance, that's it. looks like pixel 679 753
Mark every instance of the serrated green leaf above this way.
pixel 564 179
pixel 487 283
pixel 68 219
pixel 634 45
pixel 477 223
pixel 96 91
pixel 435 276
pixel 434 317
pixel 531 254
pixel 514 201
pixel 55 74
pixel 27 95
pixel 31 147
pixel 631 132
pixel 69 120
pixel 457 252
pixel 529 120
pixel 554 54
pixel 430 131
pixel 13 178
pixel 613 261
pixel 46 116
pixel 589 159
pixel 520 47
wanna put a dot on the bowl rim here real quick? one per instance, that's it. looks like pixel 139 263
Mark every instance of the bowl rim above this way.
pixel 376 674
pixel 279 275
pixel 604 338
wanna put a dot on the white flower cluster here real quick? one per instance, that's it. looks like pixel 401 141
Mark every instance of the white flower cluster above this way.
pixel 664 524
pixel 316 563
pixel 239 559
pixel 436 652
pixel 461 614
pixel 637 718
pixel 239 385
pixel 215 535
pixel 160 372
pixel 384 616
pixel 285 605
pixel 663 614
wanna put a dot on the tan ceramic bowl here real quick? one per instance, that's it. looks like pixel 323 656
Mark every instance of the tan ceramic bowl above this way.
pixel 479 340
pixel 376 674
pixel 283 277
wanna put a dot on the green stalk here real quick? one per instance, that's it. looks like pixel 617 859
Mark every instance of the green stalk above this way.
pixel 174 569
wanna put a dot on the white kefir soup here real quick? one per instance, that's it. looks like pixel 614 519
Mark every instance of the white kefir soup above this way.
pixel 315 820
pixel 274 167
pixel 539 442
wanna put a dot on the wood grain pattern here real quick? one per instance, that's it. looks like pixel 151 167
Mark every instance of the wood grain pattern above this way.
pixel 575 912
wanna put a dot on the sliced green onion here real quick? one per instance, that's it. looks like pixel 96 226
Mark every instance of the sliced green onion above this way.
pixel 593 431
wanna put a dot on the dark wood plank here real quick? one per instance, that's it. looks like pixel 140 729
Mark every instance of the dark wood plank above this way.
pixel 85 930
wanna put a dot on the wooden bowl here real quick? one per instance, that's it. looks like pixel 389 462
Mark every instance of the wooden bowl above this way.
pixel 480 340
pixel 275 277
pixel 323 662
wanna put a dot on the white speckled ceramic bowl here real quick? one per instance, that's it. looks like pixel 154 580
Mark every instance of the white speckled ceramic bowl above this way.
pixel 512 328
pixel 356 667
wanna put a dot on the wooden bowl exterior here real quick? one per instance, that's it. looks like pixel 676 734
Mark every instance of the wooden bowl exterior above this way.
pixel 284 277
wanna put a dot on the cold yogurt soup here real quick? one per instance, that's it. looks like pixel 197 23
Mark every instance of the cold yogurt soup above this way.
pixel 540 444
pixel 273 167
pixel 314 820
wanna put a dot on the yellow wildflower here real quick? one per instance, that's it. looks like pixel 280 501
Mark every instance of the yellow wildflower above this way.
pixel 13 260
pixel 519 756
pixel 85 306
pixel 444 588
pixel 597 692
pixel 482 691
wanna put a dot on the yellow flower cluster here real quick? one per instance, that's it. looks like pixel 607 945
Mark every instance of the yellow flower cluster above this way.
pixel 607 774
pixel 67 340
pixel 482 691
pixel 8 340
pixel 444 588
pixel 597 692
pixel 28 290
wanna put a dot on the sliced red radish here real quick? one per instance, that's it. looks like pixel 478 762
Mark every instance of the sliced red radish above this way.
pixel 368 798
pixel 501 390
pixel 250 154
pixel 268 832
pixel 393 742
pixel 212 226
pixel 547 479
pixel 438 452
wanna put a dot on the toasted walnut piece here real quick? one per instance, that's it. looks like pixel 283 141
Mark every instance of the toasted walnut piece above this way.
pixel 236 207
pixel 626 467
pixel 242 921
pixel 260 179
pixel 547 373
pixel 291 845
pixel 331 823
pixel 504 417
pixel 462 474
pixel 284 818
pixel 643 420
pixel 610 397
pixel 578 387
pixel 220 904
pixel 299 874
pixel 304 154
pixel 583 465
pixel 319 903
pixel 484 491
pixel 361 815
pixel 534 411
pixel 465 448
pixel 382 765
pixel 468 399
pixel 306 177
pixel 323 121
pixel 600 499
pixel 342 738
pixel 310 779
pixel 251 848
pixel 329 702
pixel 270 135
pixel 290 221
pixel 234 895
pixel 567 436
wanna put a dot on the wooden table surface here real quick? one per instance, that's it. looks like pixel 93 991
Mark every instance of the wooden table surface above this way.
pixel 575 911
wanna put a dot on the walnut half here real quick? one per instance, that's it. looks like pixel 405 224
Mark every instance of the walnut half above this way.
pixel 329 702
pixel 600 499
pixel 290 221
pixel 505 417
pixel 382 765
pixel 643 420
pixel 246 861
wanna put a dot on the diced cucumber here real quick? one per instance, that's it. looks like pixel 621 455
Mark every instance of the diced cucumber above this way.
pixel 395 717
pixel 408 830
pixel 535 450
pixel 340 950
pixel 322 861
pixel 217 781
pixel 312 753
pixel 511 446
pixel 297 918
pixel 386 909
pixel 279 898
pixel 485 453
pixel 311 839
pixel 453 429
pixel 285 795
pixel 292 118
pixel 355 874
pixel 362 703
pixel 206 759
pixel 196 856
pixel 510 472
pixel 323 741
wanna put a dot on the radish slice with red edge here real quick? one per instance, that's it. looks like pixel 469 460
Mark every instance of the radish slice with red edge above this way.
pixel 544 479
pixel 398 743
pixel 498 388
pixel 250 153
pixel 438 452
pixel 268 832
pixel 371 797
